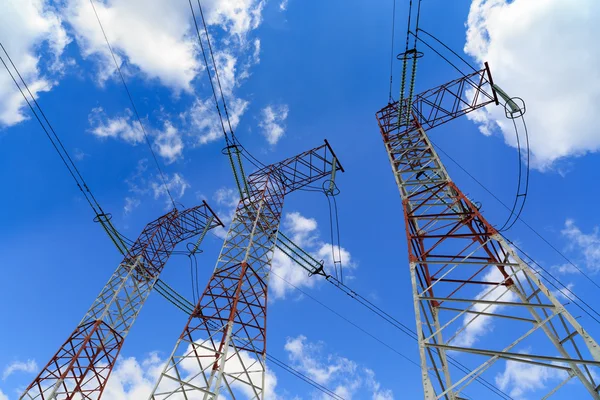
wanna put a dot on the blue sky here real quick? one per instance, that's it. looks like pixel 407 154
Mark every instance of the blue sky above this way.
pixel 295 73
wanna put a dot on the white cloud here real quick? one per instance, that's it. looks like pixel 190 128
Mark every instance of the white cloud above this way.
pixel 176 185
pixel 237 17
pixel 327 252
pixel 123 127
pixel 531 46
pixel 283 5
pixel 30 366
pixel 190 371
pixel 256 53
pixel 3 396
pixel 474 325
pixel 565 269
pixel 169 143
pixel 203 120
pixel 306 356
pixel 227 200
pixel 158 38
pixel 26 25
pixel 522 378
pixel 284 269
pixel 273 122
pixel 587 243
pixel 226 64
pixel 79 154
pixel 304 232
pixel 302 228
pixel 131 379
pixel 153 36
pixel 344 376
pixel 131 203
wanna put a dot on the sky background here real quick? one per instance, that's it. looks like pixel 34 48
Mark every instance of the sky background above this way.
pixel 294 73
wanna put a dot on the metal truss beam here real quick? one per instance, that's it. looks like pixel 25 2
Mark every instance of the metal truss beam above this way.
pixel 444 103
pixel 82 366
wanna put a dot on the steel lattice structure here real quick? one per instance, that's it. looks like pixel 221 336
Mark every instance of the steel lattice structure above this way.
pixel 221 351
pixel 81 367
pixel 465 276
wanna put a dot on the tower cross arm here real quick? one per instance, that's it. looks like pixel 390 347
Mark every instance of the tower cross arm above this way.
pixel 160 236
pixel 300 170
pixel 194 221
pixel 443 103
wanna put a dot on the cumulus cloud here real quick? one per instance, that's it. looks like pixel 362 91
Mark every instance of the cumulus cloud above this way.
pixel 304 232
pixel 545 52
pixel 203 120
pixel 522 378
pixel 132 379
pixel 344 376
pixel 141 184
pixel 122 127
pixel 28 26
pixel 237 17
pixel 588 244
pixel 169 143
pixel 176 186
pixel 29 366
pixel 302 228
pixel 273 122
pixel 131 203
pixel 3 396
pixel 150 36
pixel 157 38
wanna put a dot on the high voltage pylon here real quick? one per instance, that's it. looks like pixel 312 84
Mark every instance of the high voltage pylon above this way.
pixel 465 276
pixel 221 351
pixel 82 366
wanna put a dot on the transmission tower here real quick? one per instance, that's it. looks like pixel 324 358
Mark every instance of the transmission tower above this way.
pixel 81 367
pixel 221 351
pixel 466 278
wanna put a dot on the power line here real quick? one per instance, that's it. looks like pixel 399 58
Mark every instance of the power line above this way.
pixel 448 48
pixel 212 56
pixel 245 153
pixel 56 142
pixel 208 72
pixel 347 320
pixel 162 176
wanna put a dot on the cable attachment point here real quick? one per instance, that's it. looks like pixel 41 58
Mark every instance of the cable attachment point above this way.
pixel 103 218
pixel 410 54
pixel 193 249
pixel 330 188
pixel 231 149
pixel 320 270
pixel 514 108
